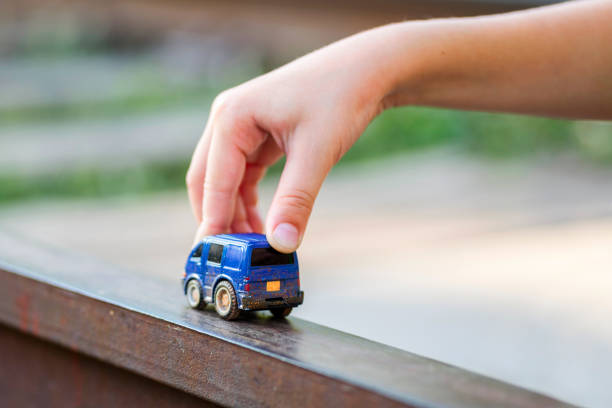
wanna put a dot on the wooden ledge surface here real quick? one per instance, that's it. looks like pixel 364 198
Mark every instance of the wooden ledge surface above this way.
pixel 142 323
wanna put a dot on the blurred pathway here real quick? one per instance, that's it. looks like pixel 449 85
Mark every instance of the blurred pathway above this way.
pixel 102 143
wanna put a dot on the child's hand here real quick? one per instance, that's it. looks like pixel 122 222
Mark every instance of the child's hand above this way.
pixel 312 110
pixel 552 60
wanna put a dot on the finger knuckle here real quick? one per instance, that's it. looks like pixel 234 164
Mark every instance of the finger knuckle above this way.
pixel 226 113
pixel 224 103
pixel 191 179
pixel 220 101
pixel 298 199
pixel 216 191
pixel 216 225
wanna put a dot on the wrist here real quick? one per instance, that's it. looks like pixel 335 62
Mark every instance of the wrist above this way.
pixel 409 65
pixel 423 57
pixel 393 63
pixel 385 69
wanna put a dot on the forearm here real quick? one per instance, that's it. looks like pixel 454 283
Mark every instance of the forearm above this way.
pixel 554 61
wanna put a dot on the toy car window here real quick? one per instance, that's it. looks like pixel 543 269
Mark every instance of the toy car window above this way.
pixel 198 252
pixel 215 252
pixel 270 257
pixel 233 256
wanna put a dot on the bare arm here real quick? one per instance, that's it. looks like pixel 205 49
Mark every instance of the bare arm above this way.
pixel 554 60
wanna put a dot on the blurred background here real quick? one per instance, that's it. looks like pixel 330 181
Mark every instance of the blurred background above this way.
pixel 481 240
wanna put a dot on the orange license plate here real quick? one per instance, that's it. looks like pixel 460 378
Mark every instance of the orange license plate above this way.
pixel 273 286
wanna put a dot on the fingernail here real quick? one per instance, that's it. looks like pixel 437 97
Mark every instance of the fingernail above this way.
pixel 286 236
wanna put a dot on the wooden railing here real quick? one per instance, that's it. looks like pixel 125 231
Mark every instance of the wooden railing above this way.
pixel 78 332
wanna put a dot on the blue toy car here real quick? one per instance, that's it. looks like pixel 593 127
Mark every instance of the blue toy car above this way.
pixel 241 272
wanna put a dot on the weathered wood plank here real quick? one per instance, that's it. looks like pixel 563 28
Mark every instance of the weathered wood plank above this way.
pixel 37 373
pixel 142 324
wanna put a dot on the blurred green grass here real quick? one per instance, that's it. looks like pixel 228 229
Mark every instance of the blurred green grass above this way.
pixel 94 182
pixel 152 98
pixel 402 130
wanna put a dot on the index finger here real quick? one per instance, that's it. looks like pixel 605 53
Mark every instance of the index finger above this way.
pixel 197 170
pixel 230 146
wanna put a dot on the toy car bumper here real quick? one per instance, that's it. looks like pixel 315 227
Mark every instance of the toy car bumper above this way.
pixel 249 302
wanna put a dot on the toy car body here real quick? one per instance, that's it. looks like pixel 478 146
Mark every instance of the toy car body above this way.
pixel 241 272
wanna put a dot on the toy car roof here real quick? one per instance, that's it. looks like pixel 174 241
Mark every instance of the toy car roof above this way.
pixel 249 239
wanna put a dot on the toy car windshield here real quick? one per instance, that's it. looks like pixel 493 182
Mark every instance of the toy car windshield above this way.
pixel 270 257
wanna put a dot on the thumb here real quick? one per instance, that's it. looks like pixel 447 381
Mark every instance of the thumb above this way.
pixel 306 167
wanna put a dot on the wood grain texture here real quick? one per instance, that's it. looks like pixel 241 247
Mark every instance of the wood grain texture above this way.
pixel 142 324
pixel 36 373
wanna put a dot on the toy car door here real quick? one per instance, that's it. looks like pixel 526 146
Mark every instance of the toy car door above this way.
pixel 195 261
pixel 213 265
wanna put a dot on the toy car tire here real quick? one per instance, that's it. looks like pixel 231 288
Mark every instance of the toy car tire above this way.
pixel 280 312
pixel 195 294
pixel 226 303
